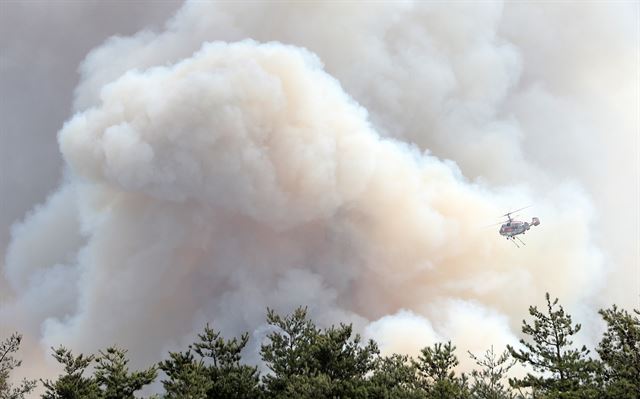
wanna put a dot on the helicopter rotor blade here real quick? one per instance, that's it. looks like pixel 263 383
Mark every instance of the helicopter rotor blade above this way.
pixel 517 210
pixel 494 224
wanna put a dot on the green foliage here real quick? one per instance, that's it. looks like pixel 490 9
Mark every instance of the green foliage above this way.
pixel 186 376
pixel 7 364
pixel 72 384
pixel 308 362
pixel 488 382
pixel 436 373
pixel 111 379
pixel 112 375
pixel 218 372
pixel 340 355
pixel 619 351
pixel 395 376
pixel 287 349
pixel 563 371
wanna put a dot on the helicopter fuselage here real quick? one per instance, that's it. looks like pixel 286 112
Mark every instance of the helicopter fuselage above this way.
pixel 514 228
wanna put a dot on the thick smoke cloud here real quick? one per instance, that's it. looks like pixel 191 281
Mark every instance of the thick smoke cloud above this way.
pixel 346 158
pixel 41 44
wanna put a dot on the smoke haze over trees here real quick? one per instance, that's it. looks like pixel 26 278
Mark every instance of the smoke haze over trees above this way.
pixel 245 155
pixel 301 360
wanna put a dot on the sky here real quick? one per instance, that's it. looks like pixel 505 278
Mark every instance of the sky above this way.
pixel 165 165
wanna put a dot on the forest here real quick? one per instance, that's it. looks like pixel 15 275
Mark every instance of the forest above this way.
pixel 304 361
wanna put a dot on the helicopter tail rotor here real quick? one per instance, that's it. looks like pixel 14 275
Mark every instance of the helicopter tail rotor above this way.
pixel 535 221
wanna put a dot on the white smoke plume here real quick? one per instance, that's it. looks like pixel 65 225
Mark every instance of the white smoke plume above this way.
pixel 342 156
pixel 41 44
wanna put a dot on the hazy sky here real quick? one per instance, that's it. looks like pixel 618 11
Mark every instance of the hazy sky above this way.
pixel 41 46
pixel 343 155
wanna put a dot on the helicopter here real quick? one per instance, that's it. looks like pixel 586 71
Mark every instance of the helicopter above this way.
pixel 512 228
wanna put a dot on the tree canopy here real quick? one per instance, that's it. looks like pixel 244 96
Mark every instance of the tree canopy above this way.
pixel 302 360
pixel 8 363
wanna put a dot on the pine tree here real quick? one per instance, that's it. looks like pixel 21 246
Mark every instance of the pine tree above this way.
pixel 287 349
pixel 395 377
pixel 228 378
pixel 7 364
pixel 111 379
pixel 307 362
pixel 187 378
pixel 488 381
pixel 436 372
pixel 72 384
pixel 620 354
pixel 564 372
pixel 112 375
pixel 340 355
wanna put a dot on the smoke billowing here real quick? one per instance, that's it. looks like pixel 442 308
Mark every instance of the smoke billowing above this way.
pixel 41 44
pixel 344 157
